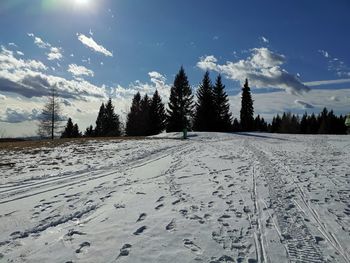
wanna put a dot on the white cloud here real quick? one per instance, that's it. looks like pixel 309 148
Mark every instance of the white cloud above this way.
pixel 80 70
pixel 334 98
pixel 324 53
pixel 55 54
pixel 19 53
pixel 8 62
pixel 12 44
pixel 335 64
pixel 2 97
pixel 90 42
pixel 208 63
pixel 25 77
pixel 262 68
pixel 264 39
pixel 157 82
pixel 39 42
pixel 16 115
pixel 326 82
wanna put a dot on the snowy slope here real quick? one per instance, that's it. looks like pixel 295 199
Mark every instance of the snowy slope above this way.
pixel 211 198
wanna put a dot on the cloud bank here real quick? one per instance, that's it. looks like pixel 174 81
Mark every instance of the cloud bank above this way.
pixel 262 68
pixel 17 115
pixel 29 79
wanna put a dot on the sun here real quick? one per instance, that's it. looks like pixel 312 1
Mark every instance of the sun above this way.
pixel 83 2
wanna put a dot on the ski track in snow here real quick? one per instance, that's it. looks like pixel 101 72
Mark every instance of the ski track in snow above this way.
pixel 212 198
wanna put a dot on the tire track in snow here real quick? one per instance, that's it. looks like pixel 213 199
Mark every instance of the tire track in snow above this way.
pixel 325 232
pixel 300 243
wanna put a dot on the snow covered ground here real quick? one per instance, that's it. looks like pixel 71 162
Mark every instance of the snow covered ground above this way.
pixel 212 198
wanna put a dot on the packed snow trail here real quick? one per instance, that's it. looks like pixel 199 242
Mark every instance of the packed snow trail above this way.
pixel 211 198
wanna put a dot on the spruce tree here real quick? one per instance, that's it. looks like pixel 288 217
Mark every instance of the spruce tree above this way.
pixel 236 126
pixel 247 109
pixel 260 124
pixel 89 132
pixel 68 130
pixel 76 133
pixel 221 107
pixel 133 118
pixel 276 124
pixel 99 129
pixel 313 124
pixel 304 124
pixel 157 114
pixel 180 105
pixel 205 113
pixel 145 116
pixel 111 123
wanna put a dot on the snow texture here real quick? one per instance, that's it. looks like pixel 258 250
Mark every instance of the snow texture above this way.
pixel 212 198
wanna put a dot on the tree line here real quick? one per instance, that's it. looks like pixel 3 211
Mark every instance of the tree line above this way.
pixel 209 112
pixel 325 122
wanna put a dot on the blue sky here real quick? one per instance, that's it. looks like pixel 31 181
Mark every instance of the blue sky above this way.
pixel 95 49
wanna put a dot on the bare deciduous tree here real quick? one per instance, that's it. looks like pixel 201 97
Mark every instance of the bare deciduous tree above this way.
pixel 51 117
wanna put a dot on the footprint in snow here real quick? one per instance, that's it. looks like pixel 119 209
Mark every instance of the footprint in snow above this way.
pixel 176 202
pixel 124 251
pixel 222 259
pixel 141 217
pixel 159 206
pixel 82 245
pixel 140 230
pixel 160 199
pixel 171 225
pixel 192 246
pixel 119 206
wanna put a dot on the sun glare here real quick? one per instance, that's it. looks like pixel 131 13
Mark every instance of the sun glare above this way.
pixel 82 2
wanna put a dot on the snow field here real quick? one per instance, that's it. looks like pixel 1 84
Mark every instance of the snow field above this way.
pixel 211 198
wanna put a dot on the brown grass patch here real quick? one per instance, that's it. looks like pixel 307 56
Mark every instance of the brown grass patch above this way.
pixel 20 145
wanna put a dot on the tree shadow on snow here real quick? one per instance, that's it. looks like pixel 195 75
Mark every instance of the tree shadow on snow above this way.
pixel 260 136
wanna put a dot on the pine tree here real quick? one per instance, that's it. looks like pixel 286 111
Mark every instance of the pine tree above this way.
pixel 75 132
pixel 157 114
pixel 107 122
pixel 247 110
pixel 260 124
pixel 304 124
pixel 313 124
pixel 111 123
pixel 68 130
pixel 236 126
pixel 205 113
pixel 222 107
pixel 180 104
pixel 276 124
pixel 133 118
pixel 289 123
pixel 89 132
pixel 99 129
pixel 145 116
